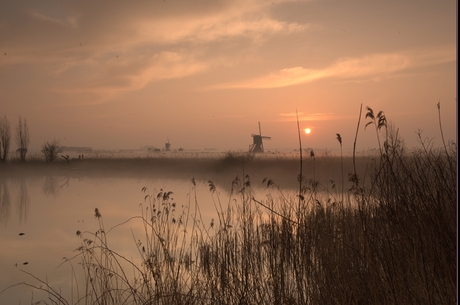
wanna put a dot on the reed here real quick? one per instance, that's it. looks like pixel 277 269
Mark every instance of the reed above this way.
pixel 393 242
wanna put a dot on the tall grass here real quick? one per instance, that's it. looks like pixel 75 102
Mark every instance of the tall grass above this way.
pixel 394 242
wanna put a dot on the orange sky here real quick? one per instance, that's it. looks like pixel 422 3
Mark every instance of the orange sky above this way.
pixel 120 74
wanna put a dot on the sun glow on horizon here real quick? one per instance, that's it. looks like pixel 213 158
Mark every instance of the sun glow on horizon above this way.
pixel 307 130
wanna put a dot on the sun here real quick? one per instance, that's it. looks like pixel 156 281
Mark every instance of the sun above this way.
pixel 307 130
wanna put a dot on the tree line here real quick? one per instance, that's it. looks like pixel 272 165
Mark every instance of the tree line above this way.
pixel 21 137
pixel 50 150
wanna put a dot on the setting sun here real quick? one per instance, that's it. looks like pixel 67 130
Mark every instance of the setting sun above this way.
pixel 307 130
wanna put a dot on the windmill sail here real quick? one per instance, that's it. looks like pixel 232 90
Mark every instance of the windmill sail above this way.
pixel 257 142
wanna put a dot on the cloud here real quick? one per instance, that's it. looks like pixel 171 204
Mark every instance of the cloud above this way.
pixel 118 25
pixel 103 79
pixel 292 117
pixel 70 21
pixel 120 47
pixel 211 28
pixel 291 114
pixel 134 73
pixel 344 68
pixel 369 67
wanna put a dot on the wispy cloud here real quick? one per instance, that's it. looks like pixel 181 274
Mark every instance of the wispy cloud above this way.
pixel 324 116
pixel 104 51
pixel 119 74
pixel 150 23
pixel 291 114
pixel 70 21
pixel 370 67
pixel 214 28
pixel 134 73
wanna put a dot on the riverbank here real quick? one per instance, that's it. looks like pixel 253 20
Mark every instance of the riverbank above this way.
pixel 220 168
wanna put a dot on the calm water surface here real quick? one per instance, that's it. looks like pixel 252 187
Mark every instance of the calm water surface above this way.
pixel 39 218
pixel 40 215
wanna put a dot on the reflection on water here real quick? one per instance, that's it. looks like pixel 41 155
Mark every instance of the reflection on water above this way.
pixel 40 216
pixel 52 208
pixel 23 200
pixel 5 202
pixel 53 185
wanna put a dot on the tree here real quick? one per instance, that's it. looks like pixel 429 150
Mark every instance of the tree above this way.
pixel 50 150
pixel 5 138
pixel 22 138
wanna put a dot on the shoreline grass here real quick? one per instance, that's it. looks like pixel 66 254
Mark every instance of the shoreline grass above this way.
pixel 391 240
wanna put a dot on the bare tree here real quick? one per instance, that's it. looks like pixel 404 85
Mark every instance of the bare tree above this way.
pixel 50 150
pixel 5 138
pixel 22 138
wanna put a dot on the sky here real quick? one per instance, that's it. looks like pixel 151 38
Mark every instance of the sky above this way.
pixel 203 73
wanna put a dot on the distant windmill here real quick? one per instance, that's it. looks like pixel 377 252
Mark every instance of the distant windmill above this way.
pixel 167 146
pixel 257 145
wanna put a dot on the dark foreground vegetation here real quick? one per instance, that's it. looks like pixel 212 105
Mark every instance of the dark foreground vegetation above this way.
pixel 388 236
pixel 389 241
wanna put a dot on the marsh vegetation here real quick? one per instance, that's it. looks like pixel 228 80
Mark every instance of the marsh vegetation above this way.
pixel 385 235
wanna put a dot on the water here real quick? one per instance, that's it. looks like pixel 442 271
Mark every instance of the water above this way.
pixel 39 218
pixel 41 213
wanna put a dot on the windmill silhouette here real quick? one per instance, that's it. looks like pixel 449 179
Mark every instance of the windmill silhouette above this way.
pixel 257 144
pixel 167 146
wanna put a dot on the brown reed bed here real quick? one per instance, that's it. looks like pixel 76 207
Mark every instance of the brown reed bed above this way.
pixel 387 237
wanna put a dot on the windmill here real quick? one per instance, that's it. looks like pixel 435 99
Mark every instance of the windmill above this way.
pixel 257 144
pixel 167 146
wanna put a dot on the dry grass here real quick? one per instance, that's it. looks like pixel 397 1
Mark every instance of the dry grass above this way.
pixel 392 241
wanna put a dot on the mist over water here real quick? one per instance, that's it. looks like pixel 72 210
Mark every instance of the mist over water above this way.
pixel 40 217
pixel 42 207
